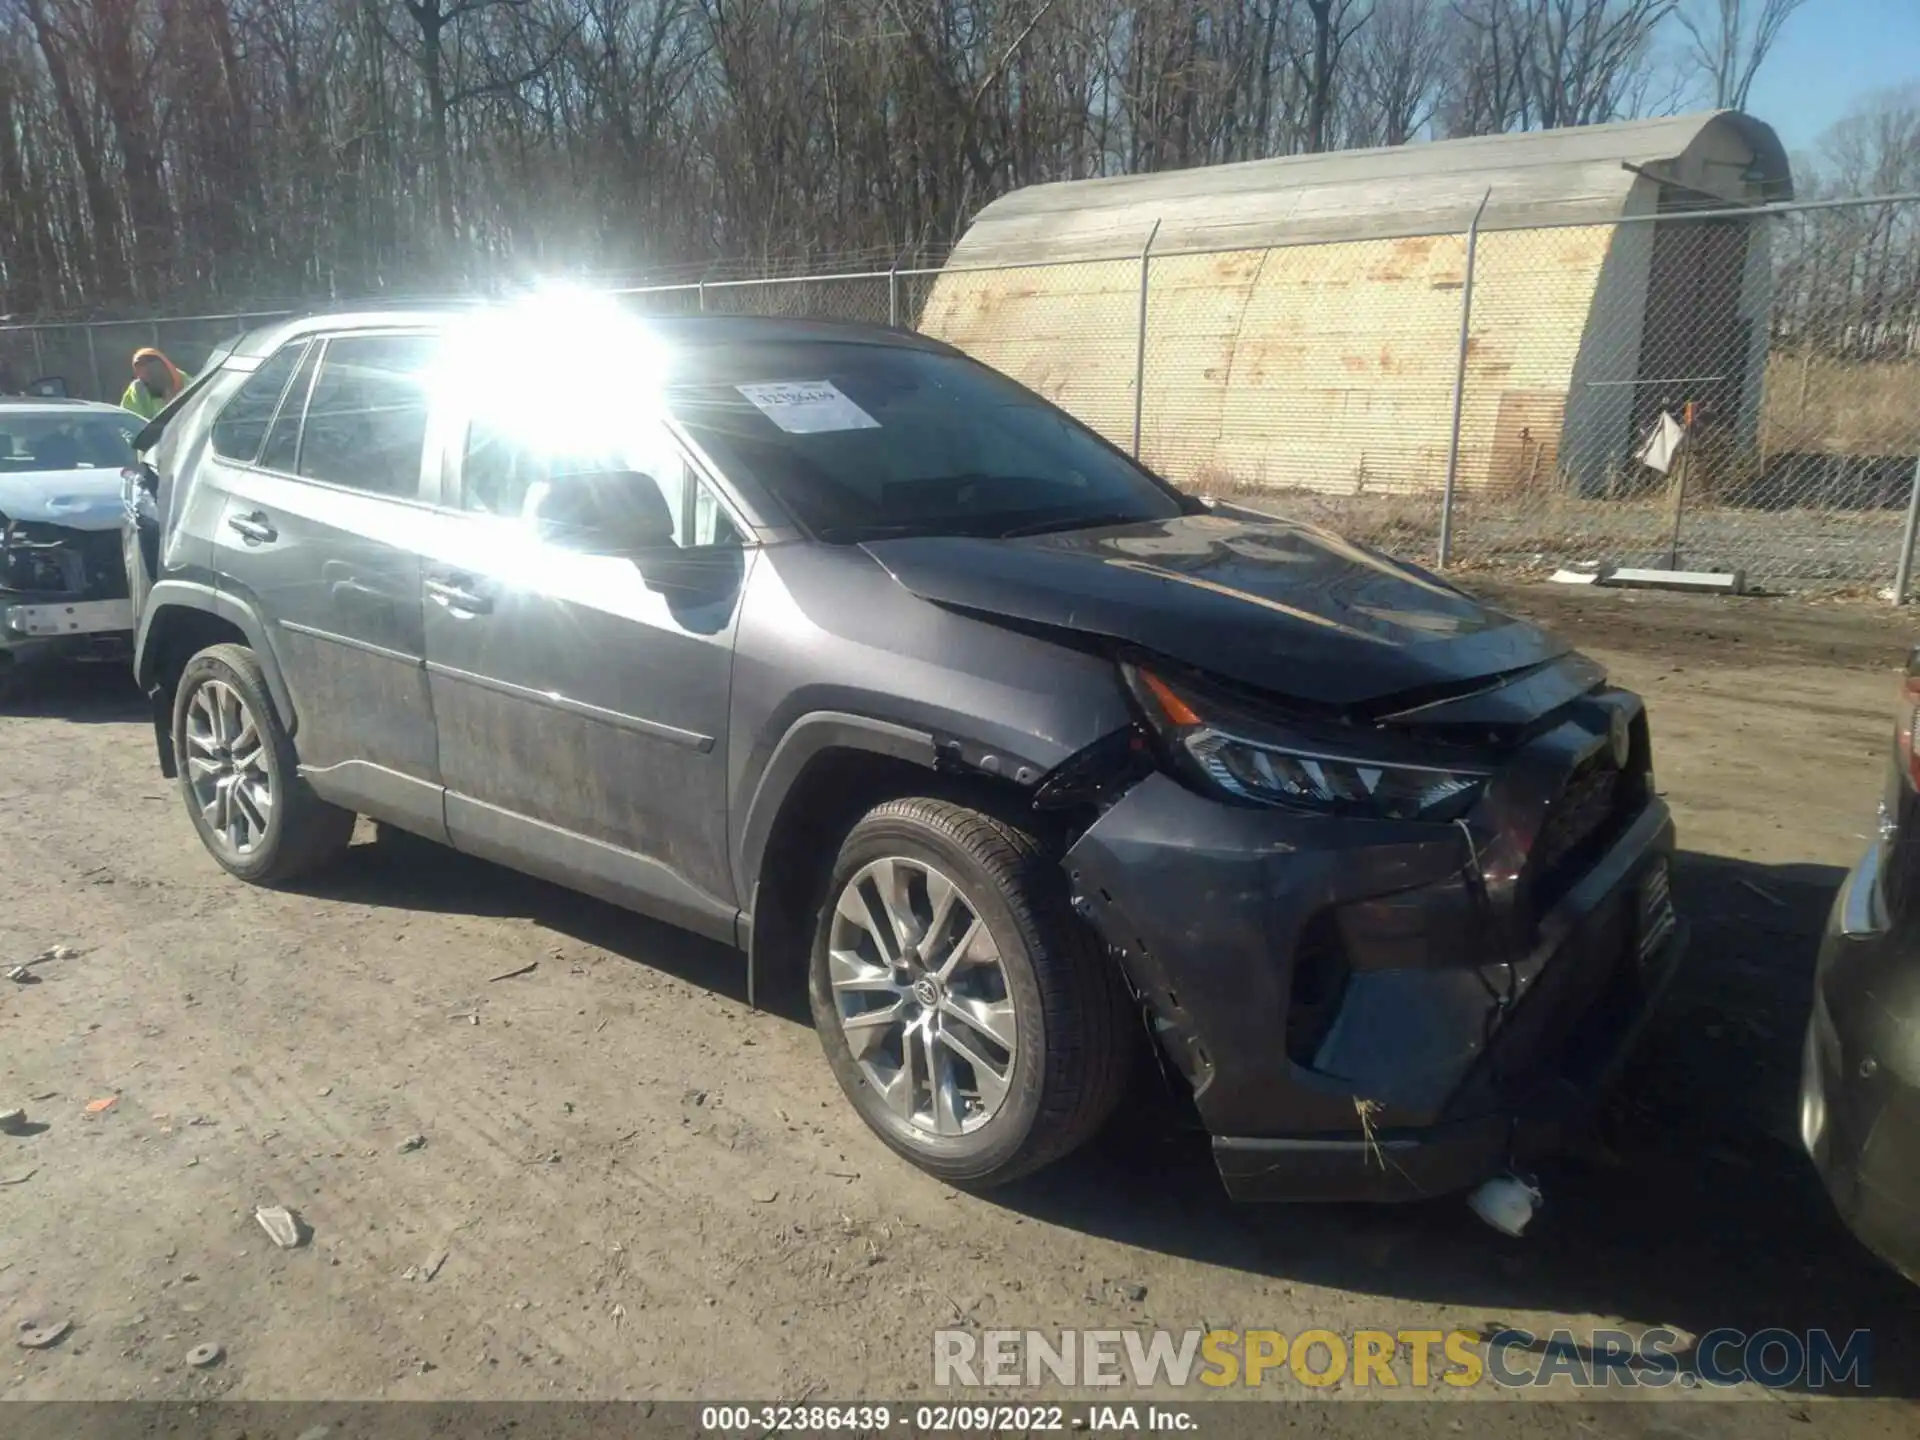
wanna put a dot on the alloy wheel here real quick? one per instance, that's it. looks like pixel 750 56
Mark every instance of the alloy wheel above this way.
pixel 227 767
pixel 921 994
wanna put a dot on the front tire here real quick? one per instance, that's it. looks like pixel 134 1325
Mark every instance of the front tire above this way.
pixel 239 775
pixel 974 1022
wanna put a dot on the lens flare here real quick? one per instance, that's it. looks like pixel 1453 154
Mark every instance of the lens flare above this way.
pixel 559 370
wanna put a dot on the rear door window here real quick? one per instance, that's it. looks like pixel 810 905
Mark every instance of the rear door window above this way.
pixel 366 418
pixel 243 421
pixel 282 450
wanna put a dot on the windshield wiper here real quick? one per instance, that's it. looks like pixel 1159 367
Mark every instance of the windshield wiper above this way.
pixel 859 534
pixel 1071 522
pixel 968 527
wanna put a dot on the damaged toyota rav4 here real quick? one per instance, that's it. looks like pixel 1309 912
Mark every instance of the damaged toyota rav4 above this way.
pixel 834 645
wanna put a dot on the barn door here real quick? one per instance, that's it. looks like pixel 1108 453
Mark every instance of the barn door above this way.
pixel 1694 343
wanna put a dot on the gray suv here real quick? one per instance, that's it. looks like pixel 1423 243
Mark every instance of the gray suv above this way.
pixel 831 644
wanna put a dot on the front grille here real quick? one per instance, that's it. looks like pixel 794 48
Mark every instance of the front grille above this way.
pixel 1317 988
pixel 71 564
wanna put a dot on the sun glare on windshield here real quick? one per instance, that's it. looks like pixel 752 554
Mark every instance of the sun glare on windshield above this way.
pixel 571 370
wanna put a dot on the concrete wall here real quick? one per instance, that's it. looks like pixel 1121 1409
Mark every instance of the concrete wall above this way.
pixel 1319 367
pixel 1323 367
pixel 1537 297
pixel 1066 331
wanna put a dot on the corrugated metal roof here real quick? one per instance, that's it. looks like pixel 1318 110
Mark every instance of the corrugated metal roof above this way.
pixel 1590 173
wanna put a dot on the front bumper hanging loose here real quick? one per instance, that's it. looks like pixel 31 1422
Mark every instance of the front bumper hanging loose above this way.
pixel 1460 1043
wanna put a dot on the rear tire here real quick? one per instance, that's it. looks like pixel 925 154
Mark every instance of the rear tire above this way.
pixel 973 1020
pixel 239 775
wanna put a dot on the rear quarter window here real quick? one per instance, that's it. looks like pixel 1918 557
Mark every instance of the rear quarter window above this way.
pixel 243 420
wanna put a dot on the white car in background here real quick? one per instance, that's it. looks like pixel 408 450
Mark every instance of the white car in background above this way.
pixel 63 583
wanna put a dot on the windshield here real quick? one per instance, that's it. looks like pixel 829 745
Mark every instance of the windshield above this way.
pixel 862 441
pixel 44 440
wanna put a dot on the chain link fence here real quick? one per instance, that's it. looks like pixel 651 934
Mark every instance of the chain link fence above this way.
pixel 1712 390
pixel 1742 392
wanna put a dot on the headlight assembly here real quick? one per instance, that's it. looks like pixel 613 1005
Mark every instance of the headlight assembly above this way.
pixel 1255 759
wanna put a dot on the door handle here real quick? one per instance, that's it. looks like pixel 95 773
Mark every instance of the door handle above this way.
pixel 455 597
pixel 255 527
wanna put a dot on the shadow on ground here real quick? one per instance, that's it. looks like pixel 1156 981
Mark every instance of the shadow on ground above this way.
pixel 404 872
pixel 88 692
pixel 1700 1212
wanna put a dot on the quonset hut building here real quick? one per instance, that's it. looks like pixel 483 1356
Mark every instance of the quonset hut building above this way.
pixel 1302 315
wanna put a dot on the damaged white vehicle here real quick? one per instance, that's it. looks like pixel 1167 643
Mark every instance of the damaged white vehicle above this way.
pixel 63 583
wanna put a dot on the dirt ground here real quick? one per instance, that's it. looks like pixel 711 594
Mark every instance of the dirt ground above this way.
pixel 633 1185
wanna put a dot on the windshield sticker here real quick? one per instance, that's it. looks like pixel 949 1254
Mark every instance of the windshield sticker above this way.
pixel 808 407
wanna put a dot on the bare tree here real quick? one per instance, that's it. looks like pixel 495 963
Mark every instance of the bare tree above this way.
pixel 1394 88
pixel 1333 24
pixel 1849 279
pixel 1730 40
pixel 266 151
pixel 432 48
pixel 1539 64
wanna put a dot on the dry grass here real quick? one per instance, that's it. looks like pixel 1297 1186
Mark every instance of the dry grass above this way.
pixel 1818 405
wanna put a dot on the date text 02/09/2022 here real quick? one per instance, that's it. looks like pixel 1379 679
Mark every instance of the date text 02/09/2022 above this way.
pixel 869 1419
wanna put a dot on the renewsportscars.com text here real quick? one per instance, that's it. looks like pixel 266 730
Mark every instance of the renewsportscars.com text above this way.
pixel 1509 1358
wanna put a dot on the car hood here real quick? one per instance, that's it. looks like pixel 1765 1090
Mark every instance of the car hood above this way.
pixel 1287 608
pixel 87 499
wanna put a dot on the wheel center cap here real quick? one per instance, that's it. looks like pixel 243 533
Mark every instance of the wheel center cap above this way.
pixel 927 991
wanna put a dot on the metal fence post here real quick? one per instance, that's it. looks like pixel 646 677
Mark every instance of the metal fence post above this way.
pixel 39 355
pixel 93 364
pixel 1460 384
pixel 703 297
pixel 893 294
pixel 1905 572
pixel 1140 341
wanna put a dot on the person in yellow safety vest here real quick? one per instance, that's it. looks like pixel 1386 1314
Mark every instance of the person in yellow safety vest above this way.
pixel 156 380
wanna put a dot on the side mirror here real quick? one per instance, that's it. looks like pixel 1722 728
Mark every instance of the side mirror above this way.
pixel 603 512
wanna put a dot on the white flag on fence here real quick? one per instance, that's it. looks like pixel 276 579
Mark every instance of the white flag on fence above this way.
pixel 1662 443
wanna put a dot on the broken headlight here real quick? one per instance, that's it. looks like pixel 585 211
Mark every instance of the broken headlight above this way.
pixel 1228 749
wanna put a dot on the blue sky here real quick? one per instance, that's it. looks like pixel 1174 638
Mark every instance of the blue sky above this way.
pixel 1831 53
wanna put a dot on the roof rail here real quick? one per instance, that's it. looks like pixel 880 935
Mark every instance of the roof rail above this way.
pixel 384 300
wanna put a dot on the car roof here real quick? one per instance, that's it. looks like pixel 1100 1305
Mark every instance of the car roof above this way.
pixel 688 330
pixel 53 405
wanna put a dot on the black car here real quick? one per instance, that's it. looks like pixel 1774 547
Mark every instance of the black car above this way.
pixel 835 645
pixel 1860 1078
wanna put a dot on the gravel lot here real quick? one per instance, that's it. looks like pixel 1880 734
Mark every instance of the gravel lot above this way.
pixel 633 1185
